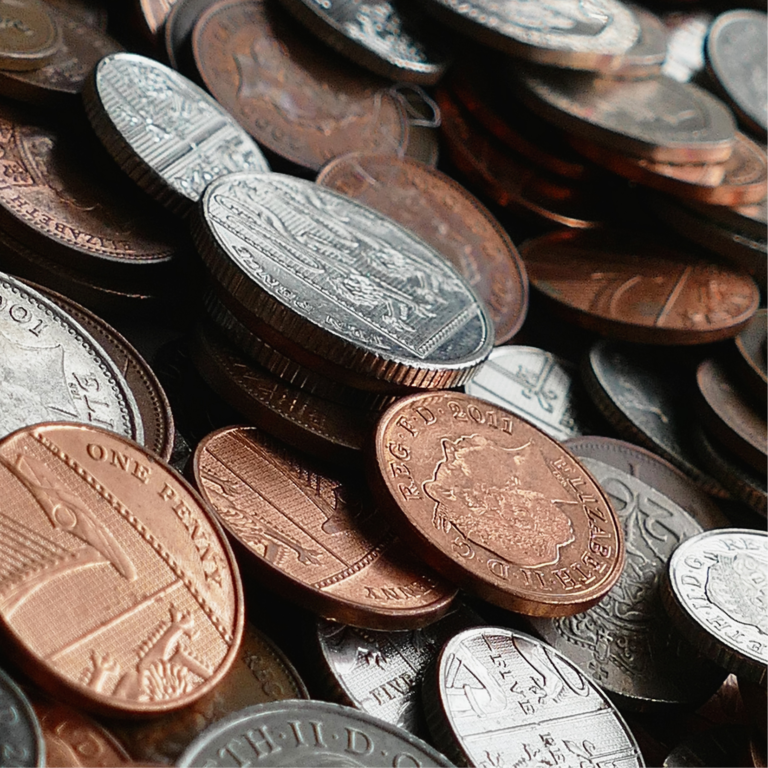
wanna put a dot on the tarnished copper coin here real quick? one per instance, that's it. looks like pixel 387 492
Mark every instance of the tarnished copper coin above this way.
pixel 90 12
pixel 446 216
pixel 314 536
pixel 495 504
pixel 29 35
pixel 153 609
pixel 297 99
pixel 623 285
pixel 752 347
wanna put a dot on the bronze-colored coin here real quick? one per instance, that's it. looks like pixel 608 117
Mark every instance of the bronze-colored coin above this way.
pixel 423 116
pixel 29 35
pixel 751 220
pixel 150 16
pixel 299 100
pixel 90 12
pixel 261 673
pixel 731 419
pixel 446 216
pixel 177 30
pixel 752 359
pixel 623 285
pixel 495 504
pixel 314 536
pixel 153 610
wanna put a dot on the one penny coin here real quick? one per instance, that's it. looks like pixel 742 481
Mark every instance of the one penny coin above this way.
pixel 29 37
pixel 622 285
pixel 153 613
pixel 20 731
pixel 315 536
pixel 449 218
pixel 495 504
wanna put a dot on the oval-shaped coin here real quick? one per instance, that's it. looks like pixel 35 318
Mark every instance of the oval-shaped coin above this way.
pixel 645 57
pixel 625 643
pixel 496 505
pixel 29 36
pixel 295 97
pixel 20 732
pixel 314 535
pixel 349 289
pixel 622 285
pixel 153 613
pixel 164 131
pixel 716 592
pixel 445 215
pixel 308 733
pixel 500 697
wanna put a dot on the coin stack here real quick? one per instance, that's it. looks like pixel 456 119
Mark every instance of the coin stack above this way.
pixel 425 516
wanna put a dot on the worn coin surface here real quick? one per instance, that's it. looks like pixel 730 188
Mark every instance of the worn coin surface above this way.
pixel 295 98
pixel 344 285
pixel 536 385
pixel 449 218
pixel 164 131
pixel 716 593
pixel 314 535
pixel 618 284
pixel 625 643
pixel 498 697
pixel 154 611
pixel 90 12
pixel 29 35
pixel 20 732
pixel 496 505
pixel 308 733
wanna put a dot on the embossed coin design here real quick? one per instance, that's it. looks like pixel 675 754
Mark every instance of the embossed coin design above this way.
pixel 716 594
pixel 312 733
pixel 153 613
pixel 20 732
pixel 496 505
pixel 315 537
pixel 339 286
pixel 446 216
pixel 625 643
pixel 29 35
pixel 296 98
pixel 164 131
pixel 622 285
pixel 485 675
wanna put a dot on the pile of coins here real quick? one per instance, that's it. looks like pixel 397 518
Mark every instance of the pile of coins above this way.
pixel 305 461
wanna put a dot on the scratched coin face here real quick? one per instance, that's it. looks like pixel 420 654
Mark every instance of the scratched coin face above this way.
pixel 20 732
pixel 501 698
pixel 117 592
pixel 29 36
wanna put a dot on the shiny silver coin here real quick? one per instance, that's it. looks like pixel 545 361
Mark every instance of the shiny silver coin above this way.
pixel 164 131
pixel 625 643
pixel 20 734
pixel 340 286
pixel 52 369
pixel 307 733
pixel 646 56
pixel 502 698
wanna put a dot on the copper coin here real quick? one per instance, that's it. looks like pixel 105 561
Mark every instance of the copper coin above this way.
pixel 423 118
pixel 177 30
pixel 496 505
pixel 29 37
pixel 623 285
pixel 151 16
pixel 750 220
pixel 450 219
pixel 731 419
pixel 153 613
pixel 89 12
pixel 752 359
pixel 295 98
pixel 314 536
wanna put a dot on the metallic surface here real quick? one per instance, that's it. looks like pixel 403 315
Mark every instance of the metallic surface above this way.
pixel 496 505
pixel 447 217
pixel 752 348
pixel 313 535
pixel 646 56
pixel 88 11
pixel 177 30
pixel 20 734
pixel 29 36
pixel 152 613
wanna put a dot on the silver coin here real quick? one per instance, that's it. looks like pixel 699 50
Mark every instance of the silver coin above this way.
pixel 381 672
pixel 625 643
pixel 501 698
pixel 307 733
pixel 345 284
pixel 166 133
pixel 52 369
pixel 717 592
pixel 21 737
pixel 645 57
pixel 686 32
pixel 535 385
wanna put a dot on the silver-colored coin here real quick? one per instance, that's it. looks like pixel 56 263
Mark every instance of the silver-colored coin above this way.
pixel 716 594
pixel 370 303
pixel 737 58
pixel 166 133
pixel 501 698
pixel 657 118
pixel 645 57
pixel 686 32
pixel 536 385
pixel 625 643
pixel 311 733
pixel 52 369
pixel 564 33
pixel 20 734
pixel 381 672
